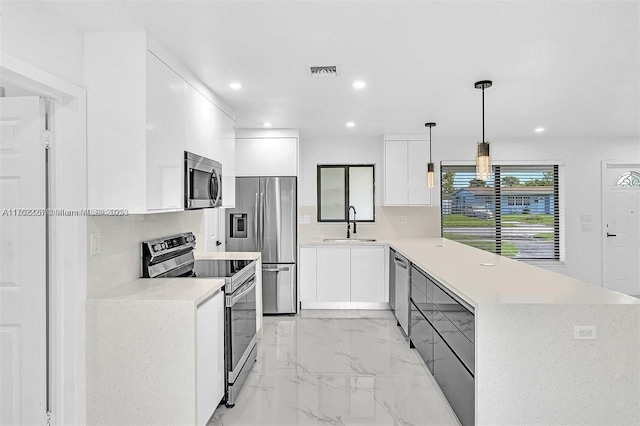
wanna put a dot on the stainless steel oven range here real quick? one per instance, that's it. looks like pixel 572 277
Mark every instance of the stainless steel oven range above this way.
pixel 173 257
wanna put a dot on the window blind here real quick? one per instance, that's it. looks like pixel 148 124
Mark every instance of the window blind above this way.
pixel 515 214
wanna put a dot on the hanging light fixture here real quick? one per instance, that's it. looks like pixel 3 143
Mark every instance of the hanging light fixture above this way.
pixel 483 160
pixel 431 174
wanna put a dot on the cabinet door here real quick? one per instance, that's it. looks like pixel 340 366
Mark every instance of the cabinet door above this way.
pixel 395 173
pixel 417 159
pixel 165 136
pixel 454 380
pixel 210 381
pixel 201 124
pixel 367 274
pixel 225 153
pixel 307 274
pixel 333 274
pixel 267 157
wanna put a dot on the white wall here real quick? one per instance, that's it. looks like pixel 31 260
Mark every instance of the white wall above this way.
pixel 38 39
pixel 582 181
pixel 581 186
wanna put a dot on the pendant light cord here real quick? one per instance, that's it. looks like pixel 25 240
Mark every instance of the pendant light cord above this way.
pixel 483 114
pixel 430 144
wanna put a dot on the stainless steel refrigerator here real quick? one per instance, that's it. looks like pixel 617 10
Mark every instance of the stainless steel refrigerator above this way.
pixel 265 220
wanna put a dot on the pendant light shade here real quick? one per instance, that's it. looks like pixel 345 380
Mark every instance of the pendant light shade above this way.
pixel 431 174
pixel 483 158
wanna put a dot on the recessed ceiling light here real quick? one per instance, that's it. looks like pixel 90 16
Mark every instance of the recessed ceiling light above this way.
pixel 539 129
pixel 359 84
pixel 351 124
pixel 267 124
pixel 235 86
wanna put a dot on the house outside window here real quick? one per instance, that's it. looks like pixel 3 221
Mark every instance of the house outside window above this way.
pixel 516 214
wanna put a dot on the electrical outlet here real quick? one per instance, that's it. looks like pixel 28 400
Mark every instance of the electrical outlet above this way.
pixel 96 244
pixel 586 217
pixel 585 332
pixel 402 219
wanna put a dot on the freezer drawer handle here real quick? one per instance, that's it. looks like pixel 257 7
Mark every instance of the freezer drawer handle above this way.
pixel 283 269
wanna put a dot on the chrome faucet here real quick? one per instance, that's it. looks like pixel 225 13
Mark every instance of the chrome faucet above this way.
pixel 349 222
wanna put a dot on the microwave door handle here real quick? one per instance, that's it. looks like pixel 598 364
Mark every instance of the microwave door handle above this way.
pixel 213 197
pixel 219 186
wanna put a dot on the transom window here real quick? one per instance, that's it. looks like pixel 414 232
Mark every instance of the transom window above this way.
pixel 515 214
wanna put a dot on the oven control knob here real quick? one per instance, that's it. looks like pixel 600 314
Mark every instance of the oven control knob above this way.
pixel 164 245
pixel 156 247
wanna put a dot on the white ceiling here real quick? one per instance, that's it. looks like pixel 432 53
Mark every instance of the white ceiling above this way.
pixel 572 67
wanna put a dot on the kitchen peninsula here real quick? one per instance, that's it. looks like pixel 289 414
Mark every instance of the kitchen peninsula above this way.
pixel 527 335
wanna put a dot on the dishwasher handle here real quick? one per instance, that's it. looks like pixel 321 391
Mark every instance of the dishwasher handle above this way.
pixel 399 262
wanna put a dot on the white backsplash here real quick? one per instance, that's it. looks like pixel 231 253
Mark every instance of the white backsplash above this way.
pixel 391 222
pixel 119 261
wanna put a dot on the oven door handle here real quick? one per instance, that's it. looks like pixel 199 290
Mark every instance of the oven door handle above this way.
pixel 233 298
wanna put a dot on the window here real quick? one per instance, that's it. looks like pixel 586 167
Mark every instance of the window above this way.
pixel 341 186
pixel 516 214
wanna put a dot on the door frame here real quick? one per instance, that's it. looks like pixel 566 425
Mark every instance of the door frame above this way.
pixel 68 236
pixel 603 223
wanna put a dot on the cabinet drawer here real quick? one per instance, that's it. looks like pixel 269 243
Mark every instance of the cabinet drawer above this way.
pixel 422 336
pixel 461 318
pixel 456 340
pixel 455 381
pixel 420 282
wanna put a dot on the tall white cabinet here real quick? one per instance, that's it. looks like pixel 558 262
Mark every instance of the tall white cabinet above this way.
pixel 405 170
pixel 144 109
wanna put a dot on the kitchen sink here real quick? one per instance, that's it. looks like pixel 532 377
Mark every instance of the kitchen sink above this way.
pixel 349 240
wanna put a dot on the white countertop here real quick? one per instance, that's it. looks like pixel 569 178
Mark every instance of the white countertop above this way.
pixel 195 290
pixel 459 267
pixel 226 255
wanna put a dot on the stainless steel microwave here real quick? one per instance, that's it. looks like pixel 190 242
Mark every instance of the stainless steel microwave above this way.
pixel 202 182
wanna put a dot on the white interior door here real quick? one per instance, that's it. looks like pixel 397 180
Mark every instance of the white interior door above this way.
pixel 621 197
pixel 22 262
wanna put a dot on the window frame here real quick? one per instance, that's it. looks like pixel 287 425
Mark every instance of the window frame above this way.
pixel 559 203
pixel 346 167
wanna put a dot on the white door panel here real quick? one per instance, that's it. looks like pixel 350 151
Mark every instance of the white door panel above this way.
pixel 621 190
pixel 22 262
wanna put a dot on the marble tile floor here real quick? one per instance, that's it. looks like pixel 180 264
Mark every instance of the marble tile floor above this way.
pixel 337 368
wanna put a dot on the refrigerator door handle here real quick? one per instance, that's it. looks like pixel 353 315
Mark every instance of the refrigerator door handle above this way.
pixel 261 238
pixel 255 223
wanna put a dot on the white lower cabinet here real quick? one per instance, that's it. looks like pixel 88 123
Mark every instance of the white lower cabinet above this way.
pixel 343 275
pixel 209 357
pixel 367 274
pixel 333 274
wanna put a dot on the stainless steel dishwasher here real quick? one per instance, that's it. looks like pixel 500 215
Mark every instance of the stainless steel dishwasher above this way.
pixel 401 265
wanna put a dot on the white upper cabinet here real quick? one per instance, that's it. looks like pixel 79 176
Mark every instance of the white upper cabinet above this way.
pixel 267 152
pixel 165 135
pixel 405 171
pixel 144 109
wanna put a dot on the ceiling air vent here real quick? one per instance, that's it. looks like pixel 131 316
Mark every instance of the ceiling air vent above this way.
pixel 326 71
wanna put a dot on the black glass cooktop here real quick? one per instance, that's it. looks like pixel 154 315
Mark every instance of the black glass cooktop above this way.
pixel 215 268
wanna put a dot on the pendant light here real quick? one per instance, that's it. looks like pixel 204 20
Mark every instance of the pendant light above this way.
pixel 483 160
pixel 431 174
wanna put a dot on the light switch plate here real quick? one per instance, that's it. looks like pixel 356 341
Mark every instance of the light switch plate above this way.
pixel 304 218
pixel 585 332
pixel 96 244
pixel 586 227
